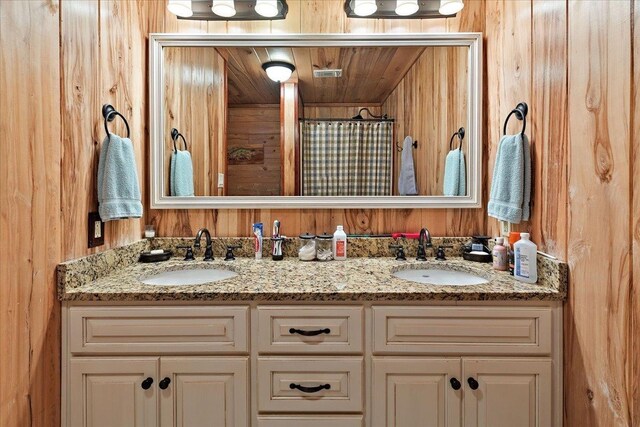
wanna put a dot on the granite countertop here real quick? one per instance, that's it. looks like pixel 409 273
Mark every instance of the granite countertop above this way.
pixel 356 279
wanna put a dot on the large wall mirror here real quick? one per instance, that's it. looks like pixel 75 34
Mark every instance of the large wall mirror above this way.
pixel 284 121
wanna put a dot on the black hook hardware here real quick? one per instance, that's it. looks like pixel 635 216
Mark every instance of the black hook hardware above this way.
pixel 174 136
pixel 460 132
pixel 109 113
pixel 521 111
pixel 399 148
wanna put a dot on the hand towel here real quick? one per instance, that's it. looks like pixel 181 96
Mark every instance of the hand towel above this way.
pixel 407 176
pixel 511 184
pixel 181 174
pixel 455 174
pixel 118 187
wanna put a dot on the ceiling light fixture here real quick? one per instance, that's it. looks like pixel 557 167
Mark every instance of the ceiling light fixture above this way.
pixel 224 8
pixel 450 7
pixel 364 7
pixel 267 8
pixel 180 8
pixel 407 7
pixel 278 71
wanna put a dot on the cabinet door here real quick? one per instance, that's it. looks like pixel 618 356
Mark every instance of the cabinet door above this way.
pixel 110 392
pixel 510 392
pixel 410 392
pixel 204 391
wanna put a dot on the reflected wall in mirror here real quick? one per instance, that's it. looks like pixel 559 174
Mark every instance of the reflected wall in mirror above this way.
pixel 355 120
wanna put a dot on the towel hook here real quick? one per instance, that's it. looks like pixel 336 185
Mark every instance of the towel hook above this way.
pixel 109 113
pixel 174 136
pixel 399 148
pixel 460 132
pixel 520 111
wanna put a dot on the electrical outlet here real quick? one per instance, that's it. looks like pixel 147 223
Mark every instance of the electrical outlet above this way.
pixel 505 228
pixel 96 230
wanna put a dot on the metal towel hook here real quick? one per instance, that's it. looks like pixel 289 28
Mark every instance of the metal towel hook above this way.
pixel 399 148
pixel 521 111
pixel 460 132
pixel 109 113
pixel 174 136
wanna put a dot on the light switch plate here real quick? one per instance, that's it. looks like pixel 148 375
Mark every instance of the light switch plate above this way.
pixel 220 180
pixel 96 230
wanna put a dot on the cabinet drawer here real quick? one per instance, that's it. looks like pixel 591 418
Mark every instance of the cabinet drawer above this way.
pixel 278 379
pixel 311 421
pixel 157 330
pixel 462 330
pixel 310 329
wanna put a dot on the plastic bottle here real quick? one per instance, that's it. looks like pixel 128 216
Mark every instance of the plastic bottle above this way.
pixel 526 268
pixel 340 244
pixel 500 261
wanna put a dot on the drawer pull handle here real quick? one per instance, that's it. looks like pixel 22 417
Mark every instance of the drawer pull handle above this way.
pixel 455 384
pixel 164 383
pixel 309 333
pixel 304 389
pixel 146 384
pixel 473 383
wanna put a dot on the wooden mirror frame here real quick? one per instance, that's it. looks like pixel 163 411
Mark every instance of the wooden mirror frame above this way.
pixel 158 41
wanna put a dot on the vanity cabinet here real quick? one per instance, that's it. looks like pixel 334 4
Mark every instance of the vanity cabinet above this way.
pixel 310 365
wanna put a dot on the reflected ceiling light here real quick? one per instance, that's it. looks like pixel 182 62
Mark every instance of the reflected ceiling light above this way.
pixel 278 71
pixel 180 8
pixel 364 7
pixel 267 8
pixel 224 8
pixel 450 7
pixel 406 7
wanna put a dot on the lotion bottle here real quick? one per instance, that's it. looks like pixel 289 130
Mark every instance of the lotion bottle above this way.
pixel 525 259
pixel 500 261
pixel 340 244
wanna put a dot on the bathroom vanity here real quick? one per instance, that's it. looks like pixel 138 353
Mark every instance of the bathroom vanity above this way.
pixel 310 344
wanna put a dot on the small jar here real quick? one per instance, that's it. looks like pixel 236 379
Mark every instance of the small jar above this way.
pixel 324 247
pixel 307 247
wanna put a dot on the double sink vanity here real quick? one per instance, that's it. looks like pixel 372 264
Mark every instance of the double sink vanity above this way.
pixel 370 341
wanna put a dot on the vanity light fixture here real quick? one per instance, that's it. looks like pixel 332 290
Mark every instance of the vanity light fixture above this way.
pixel 406 7
pixel 224 8
pixel 278 71
pixel 364 7
pixel 401 9
pixel 267 8
pixel 450 7
pixel 180 8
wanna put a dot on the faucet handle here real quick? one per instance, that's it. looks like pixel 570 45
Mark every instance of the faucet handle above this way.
pixel 188 256
pixel 400 256
pixel 229 255
pixel 440 256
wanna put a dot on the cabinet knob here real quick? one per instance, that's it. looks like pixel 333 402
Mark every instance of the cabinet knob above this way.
pixel 164 383
pixel 146 384
pixel 473 383
pixel 455 384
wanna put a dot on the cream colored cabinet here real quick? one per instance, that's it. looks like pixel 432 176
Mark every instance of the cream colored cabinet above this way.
pixel 411 392
pixel 507 392
pixel 188 391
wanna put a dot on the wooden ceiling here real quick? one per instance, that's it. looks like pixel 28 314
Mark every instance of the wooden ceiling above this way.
pixel 369 74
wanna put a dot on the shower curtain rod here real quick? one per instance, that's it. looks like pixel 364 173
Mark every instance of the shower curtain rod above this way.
pixel 347 120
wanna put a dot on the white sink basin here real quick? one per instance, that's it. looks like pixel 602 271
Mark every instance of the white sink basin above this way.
pixel 188 277
pixel 434 276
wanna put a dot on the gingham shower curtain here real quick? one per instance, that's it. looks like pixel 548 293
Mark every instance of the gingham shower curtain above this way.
pixel 346 158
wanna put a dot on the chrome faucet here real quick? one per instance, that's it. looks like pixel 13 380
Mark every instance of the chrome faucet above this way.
pixel 424 241
pixel 208 252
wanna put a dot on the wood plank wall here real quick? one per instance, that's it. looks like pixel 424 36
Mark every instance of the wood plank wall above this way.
pixel 576 63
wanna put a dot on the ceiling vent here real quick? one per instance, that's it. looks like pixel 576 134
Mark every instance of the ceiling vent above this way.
pixel 320 74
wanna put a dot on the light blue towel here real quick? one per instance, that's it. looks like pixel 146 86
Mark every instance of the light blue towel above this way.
pixel 181 174
pixel 511 184
pixel 407 176
pixel 455 174
pixel 118 187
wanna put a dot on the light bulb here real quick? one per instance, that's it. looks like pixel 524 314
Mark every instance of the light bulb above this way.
pixel 406 7
pixel 267 8
pixel 450 7
pixel 364 7
pixel 278 71
pixel 180 8
pixel 224 8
